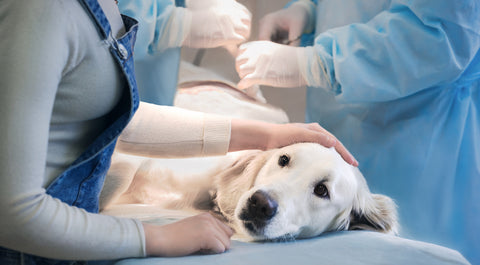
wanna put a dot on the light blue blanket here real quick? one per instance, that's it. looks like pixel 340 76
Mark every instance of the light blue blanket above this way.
pixel 347 247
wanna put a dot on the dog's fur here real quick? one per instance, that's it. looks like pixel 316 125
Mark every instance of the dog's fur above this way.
pixel 265 196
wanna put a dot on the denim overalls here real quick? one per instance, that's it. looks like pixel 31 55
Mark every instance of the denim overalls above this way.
pixel 81 183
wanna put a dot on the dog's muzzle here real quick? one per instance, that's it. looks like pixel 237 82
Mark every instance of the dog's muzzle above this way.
pixel 258 211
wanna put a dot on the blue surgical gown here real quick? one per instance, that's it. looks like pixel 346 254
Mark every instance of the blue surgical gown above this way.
pixel 156 64
pixel 403 95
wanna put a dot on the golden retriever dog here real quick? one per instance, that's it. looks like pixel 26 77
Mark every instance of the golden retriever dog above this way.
pixel 298 191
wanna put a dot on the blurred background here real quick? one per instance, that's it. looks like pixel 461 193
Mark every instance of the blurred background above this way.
pixel 220 61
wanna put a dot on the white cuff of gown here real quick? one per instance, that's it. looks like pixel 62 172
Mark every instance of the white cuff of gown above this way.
pixel 176 29
pixel 312 68
pixel 181 23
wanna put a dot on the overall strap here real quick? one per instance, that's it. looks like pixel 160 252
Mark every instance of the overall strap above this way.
pixel 81 183
pixel 95 11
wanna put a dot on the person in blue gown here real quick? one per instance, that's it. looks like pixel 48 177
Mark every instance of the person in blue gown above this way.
pixel 167 25
pixel 398 82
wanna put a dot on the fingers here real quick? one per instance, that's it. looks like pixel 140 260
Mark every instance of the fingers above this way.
pixel 200 233
pixel 217 234
pixel 244 84
pixel 339 147
pixel 284 26
pixel 240 63
pixel 315 135
pixel 243 22
pixel 243 62
pixel 218 239
pixel 294 37
pixel 266 28
pixel 245 15
pixel 250 80
pixel 223 239
pixel 242 32
pixel 251 56
pixel 345 154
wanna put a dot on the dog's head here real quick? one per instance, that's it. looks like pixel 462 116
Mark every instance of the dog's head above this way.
pixel 300 191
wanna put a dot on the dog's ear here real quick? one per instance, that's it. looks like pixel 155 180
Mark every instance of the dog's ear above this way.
pixel 374 212
pixel 377 213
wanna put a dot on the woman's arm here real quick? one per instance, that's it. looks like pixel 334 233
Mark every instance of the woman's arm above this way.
pixel 162 131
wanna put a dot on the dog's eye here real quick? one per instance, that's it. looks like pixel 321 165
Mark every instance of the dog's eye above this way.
pixel 321 191
pixel 283 160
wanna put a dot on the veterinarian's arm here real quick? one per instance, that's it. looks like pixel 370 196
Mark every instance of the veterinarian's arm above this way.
pixel 164 25
pixel 376 61
pixel 249 134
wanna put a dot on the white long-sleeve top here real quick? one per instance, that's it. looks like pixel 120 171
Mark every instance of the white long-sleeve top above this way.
pixel 58 82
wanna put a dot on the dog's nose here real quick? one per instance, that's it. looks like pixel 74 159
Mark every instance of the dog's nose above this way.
pixel 261 206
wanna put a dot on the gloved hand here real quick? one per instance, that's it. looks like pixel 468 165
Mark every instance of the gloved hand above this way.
pixel 272 64
pixel 217 23
pixel 286 26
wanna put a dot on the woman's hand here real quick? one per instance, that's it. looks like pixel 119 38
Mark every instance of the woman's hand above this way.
pixel 201 233
pixel 341 149
pixel 249 134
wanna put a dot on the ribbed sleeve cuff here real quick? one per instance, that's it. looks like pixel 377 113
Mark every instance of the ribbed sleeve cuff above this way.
pixel 183 23
pixel 216 137
pixel 143 247
pixel 162 131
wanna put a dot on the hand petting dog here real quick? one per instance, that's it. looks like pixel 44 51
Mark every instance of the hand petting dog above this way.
pixel 270 136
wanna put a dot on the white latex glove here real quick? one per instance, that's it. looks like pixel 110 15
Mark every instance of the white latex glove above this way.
pixel 286 26
pixel 220 23
pixel 272 64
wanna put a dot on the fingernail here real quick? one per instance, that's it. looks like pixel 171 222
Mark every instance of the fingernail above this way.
pixel 354 162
